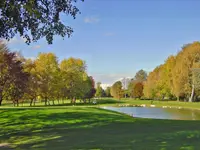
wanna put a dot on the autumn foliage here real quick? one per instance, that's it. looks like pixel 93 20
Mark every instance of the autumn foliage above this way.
pixel 43 78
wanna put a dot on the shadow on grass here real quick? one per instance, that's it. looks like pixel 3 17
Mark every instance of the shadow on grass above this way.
pixel 93 128
pixel 78 103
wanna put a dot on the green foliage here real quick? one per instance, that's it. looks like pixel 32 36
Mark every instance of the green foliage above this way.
pixel 13 79
pixel 175 76
pixel 138 90
pixel 35 19
pixel 99 90
pixel 108 92
pixel 44 77
pixel 116 90
pixel 141 76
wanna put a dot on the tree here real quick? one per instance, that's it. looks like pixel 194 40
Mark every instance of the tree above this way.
pixel 12 76
pixel 116 90
pixel 31 91
pixel 40 18
pixel 138 90
pixel 141 76
pixel 99 90
pixel 131 87
pixel 74 78
pixel 176 77
pixel 107 91
pixel 46 66
pixel 91 92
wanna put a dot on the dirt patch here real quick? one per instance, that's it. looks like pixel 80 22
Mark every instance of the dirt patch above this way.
pixel 5 145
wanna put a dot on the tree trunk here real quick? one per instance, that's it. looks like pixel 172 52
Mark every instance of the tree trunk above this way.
pixel 192 94
pixel 17 103
pixel 49 102
pixel 53 102
pixel 31 102
pixel 45 100
pixel 34 101
pixel 178 98
pixel 22 103
pixel 1 100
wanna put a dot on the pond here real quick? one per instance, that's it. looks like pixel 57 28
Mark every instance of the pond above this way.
pixel 158 113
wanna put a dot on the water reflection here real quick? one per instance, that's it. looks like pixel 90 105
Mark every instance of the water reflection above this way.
pixel 159 113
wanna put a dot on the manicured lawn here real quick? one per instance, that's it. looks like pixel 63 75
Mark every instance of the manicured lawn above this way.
pixel 64 128
pixel 114 102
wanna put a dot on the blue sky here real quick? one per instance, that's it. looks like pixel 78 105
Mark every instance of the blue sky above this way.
pixel 116 38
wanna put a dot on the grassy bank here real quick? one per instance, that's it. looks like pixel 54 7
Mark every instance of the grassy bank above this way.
pixel 92 128
pixel 114 102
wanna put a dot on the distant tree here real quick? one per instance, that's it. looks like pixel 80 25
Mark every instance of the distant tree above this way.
pixel 141 76
pixel 99 90
pixel 131 87
pixel 138 90
pixel 107 91
pixel 89 89
pixel 35 19
pixel 116 90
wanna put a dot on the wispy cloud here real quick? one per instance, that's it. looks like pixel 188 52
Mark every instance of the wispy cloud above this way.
pixel 109 34
pixel 109 79
pixel 36 47
pixel 104 86
pixel 15 40
pixel 91 19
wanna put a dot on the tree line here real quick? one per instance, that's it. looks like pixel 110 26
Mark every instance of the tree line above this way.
pixel 135 87
pixel 44 78
pixel 177 79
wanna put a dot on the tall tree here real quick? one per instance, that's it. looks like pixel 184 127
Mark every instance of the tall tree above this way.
pixel 141 76
pixel 46 66
pixel 91 85
pixel 99 90
pixel 31 92
pixel 12 76
pixel 35 19
pixel 116 90
pixel 138 90
pixel 75 78
pixel 107 91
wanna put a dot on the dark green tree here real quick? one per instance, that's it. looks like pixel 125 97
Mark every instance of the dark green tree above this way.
pixel 35 19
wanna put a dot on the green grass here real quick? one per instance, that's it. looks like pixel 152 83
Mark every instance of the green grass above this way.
pixel 63 128
pixel 114 102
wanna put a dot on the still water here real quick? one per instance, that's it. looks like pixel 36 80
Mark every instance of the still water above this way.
pixel 159 113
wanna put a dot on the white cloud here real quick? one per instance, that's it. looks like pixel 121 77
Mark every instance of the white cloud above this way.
pixel 104 86
pixel 91 19
pixel 36 47
pixel 109 79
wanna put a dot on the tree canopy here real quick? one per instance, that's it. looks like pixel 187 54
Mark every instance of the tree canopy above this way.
pixel 177 77
pixel 36 19
pixel 25 79
pixel 116 90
